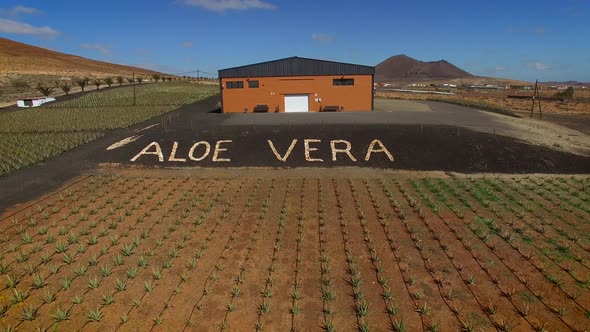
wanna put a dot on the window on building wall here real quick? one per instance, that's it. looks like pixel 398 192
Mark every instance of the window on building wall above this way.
pixel 234 84
pixel 253 84
pixel 343 81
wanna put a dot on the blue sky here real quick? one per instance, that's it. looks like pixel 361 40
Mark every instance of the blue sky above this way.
pixel 528 40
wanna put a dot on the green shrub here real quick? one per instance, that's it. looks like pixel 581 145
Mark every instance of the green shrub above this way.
pixel 567 94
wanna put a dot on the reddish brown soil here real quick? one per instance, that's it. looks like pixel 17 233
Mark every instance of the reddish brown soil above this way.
pixel 17 57
pixel 302 251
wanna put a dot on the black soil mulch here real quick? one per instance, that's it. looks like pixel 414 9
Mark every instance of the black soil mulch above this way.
pixel 413 147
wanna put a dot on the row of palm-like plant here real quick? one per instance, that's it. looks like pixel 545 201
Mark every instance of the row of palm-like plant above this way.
pixel 83 82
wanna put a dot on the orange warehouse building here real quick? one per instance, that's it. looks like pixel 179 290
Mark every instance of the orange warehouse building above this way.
pixel 297 85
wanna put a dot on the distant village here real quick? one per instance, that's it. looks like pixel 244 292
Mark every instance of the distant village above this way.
pixel 480 87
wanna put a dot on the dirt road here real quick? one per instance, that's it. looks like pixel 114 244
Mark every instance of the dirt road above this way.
pixel 540 132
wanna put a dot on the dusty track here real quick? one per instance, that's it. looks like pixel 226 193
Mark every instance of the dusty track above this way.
pixel 568 133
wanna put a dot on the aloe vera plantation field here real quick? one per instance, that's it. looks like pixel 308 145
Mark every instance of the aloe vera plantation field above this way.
pixel 302 250
pixel 200 221
pixel 34 135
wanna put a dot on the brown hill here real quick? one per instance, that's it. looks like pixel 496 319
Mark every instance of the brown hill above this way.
pixel 23 67
pixel 403 67
pixel 22 59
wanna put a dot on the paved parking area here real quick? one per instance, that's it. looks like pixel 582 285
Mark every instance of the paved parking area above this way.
pixel 406 112
pixel 387 111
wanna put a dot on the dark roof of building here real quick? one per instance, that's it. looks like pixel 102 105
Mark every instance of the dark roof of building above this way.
pixel 296 66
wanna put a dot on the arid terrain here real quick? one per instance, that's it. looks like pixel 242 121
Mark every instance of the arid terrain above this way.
pixel 23 66
pixel 580 104
pixel 18 58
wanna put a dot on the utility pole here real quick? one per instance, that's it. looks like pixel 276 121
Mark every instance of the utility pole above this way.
pixel 134 89
pixel 536 97
pixel 198 75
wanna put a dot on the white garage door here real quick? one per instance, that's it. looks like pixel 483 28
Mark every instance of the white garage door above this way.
pixel 296 103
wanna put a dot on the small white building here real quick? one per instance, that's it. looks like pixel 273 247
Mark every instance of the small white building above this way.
pixel 34 101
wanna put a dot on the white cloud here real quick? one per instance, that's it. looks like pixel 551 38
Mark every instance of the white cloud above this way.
pixel 223 5
pixel 14 27
pixel 537 65
pixel 17 10
pixel 103 49
pixel 187 44
pixel 323 38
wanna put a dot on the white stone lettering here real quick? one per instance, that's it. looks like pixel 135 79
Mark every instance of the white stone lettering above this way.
pixel 173 154
pixel 372 149
pixel 336 150
pixel 124 142
pixel 191 152
pixel 287 154
pixel 309 149
pixel 146 151
pixel 201 150
pixel 219 149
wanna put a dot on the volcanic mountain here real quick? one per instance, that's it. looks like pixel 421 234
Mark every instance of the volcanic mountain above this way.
pixel 403 67
pixel 19 58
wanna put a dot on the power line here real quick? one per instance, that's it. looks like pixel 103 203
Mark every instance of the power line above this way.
pixel 198 72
